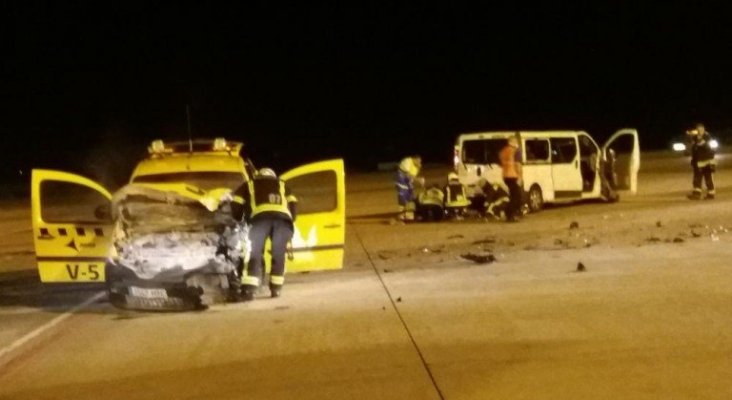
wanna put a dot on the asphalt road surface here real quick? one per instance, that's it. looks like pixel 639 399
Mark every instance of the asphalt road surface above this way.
pixel 649 318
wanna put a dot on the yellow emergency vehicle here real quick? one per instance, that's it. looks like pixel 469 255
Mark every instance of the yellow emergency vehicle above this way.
pixel 77 233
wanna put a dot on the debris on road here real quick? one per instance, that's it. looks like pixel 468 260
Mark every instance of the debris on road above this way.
pixel 479 258
pixel 714 237
pixel 386 271
pixel 695 234
pixel 574 225
pixel 659 224
pixel 436 250
pixel 458 236
pixel 383 256
pixel 399 299
pixel 653 239
pixel 581 267
pixel 489 240
pixel 678 240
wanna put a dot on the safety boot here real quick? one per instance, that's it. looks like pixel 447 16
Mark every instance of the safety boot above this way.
pixel 247 293
pixel 275 290
pixel 695 195
pixel 709 196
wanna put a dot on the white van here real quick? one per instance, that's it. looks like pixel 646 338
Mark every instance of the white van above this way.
pixel 558 166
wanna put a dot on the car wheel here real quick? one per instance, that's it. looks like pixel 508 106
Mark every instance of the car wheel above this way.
pixel 536 198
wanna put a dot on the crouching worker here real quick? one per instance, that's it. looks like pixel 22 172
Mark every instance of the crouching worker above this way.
pixel 456 198
pixel 430 204
pixel 496 199
pixel 269 208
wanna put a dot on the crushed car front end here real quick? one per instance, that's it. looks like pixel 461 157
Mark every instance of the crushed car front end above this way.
pixel 171 251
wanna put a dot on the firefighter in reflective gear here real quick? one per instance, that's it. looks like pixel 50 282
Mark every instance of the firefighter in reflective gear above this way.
pixel 269 208
pixel 430 204
pixel 456 198
pixel 702 163
pixel 496 199
pixel 408 171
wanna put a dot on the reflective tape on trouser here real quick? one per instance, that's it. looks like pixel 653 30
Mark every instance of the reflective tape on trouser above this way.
pixel 276 280
pixel 702 164
pixel 250 280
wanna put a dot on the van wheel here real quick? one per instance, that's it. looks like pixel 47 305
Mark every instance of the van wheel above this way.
pixel 536 199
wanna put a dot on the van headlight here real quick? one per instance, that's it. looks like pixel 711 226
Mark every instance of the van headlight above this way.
pixel 679 147
pixel 713 143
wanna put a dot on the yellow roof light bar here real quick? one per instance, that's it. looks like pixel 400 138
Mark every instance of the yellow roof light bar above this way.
pixel 157 147
pixel 220 145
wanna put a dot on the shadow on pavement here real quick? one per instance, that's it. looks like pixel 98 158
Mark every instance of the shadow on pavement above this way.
pixel 24 289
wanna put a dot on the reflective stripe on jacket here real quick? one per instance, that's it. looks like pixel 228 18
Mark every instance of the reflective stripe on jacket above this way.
pixel 269 195
pixel 455 195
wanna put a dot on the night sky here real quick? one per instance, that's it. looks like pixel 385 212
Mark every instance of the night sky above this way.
pixel 86 86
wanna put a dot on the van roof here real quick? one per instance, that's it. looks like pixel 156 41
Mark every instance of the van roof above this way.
pixel 504 134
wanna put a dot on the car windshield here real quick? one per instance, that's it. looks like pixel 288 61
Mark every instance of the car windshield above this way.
pixel 205 180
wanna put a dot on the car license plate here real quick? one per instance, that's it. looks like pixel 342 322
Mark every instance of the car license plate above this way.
pixel 148 293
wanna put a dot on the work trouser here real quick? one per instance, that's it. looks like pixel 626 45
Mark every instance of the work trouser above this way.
pixel 430 212
pixel 706 172
pixel 405 196
pixel 515 194
pixel 280 231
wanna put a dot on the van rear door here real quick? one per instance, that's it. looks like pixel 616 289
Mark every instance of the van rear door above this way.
pixel 479 159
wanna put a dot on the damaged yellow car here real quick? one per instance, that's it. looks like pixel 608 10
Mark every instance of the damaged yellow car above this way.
pixel 166 240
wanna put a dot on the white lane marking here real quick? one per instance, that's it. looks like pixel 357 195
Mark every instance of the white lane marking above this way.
pixel 48 325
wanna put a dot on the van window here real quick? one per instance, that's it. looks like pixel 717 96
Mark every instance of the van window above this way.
pixel 537 150
pixel 483 151
pixel 564 150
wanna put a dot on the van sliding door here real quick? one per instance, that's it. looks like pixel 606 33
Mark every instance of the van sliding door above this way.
pixel 566 176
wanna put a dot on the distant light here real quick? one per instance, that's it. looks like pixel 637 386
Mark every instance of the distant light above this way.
pixel 713 143
pixel 682 147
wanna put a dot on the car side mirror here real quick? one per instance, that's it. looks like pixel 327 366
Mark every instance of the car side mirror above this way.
pixel 103 212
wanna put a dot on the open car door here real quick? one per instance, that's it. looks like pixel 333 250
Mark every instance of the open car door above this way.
pixel 72 227
pixel 624 143
pixel 320 226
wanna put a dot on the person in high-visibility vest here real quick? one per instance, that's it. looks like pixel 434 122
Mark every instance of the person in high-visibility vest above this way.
pixel 702 162
pixel 408 171
pixel 456 198
pixel 269 208
pixel 511 160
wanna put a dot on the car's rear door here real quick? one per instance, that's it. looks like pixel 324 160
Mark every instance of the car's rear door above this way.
pixel 72 228
pixel 318 243
pixel 626 146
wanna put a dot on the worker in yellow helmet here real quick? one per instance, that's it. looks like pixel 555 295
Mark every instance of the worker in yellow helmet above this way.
pixel 456 198
pixel 270 209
